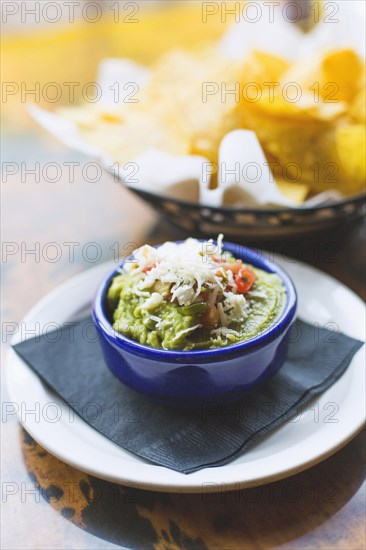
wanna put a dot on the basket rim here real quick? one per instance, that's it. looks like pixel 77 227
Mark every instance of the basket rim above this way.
pixel 337 204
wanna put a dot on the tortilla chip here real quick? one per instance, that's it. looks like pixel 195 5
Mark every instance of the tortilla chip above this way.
pixel 263 67
pixel 297 192
pixel 302 110
pixel 138 133
pixel 351 148
pixel 346 69
pixel 332 78
pixel 195 91
pixel 299 151
pixel 358 107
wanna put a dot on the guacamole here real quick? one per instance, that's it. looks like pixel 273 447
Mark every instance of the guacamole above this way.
pixel 192 296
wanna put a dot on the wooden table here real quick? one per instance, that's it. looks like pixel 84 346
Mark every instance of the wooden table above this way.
pixel 49 505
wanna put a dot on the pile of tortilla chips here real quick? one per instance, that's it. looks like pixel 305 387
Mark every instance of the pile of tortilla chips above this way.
pixel 309 115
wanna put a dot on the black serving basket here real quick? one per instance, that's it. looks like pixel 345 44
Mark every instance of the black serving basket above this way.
pixel 254 223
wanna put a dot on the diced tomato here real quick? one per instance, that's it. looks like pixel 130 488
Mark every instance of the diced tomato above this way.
pixel 148 268
pixel 244 280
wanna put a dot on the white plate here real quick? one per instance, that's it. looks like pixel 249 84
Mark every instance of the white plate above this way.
pixel 320 430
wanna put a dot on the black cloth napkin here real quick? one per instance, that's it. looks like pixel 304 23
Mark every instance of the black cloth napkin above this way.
pixel 70 361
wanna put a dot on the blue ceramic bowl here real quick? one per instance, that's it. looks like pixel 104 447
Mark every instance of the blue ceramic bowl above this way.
pixel 191 379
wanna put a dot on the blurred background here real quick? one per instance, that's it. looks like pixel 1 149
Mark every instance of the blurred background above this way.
pixel 34 49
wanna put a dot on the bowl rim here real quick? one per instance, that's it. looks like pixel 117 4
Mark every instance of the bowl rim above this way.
pixel 302 210
pixel 249 255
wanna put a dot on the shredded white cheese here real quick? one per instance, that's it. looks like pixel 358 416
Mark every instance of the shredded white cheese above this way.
pixel 141 293
pixel 224 331
pixel 235 306
pixel 162 323
pixel 156 318
pixel 153 302
pixel 185 331
pixel 256 294
pixel 183 266
pixel 220 239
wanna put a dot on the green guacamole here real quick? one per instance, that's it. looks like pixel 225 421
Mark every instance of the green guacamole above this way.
pixel 165 324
